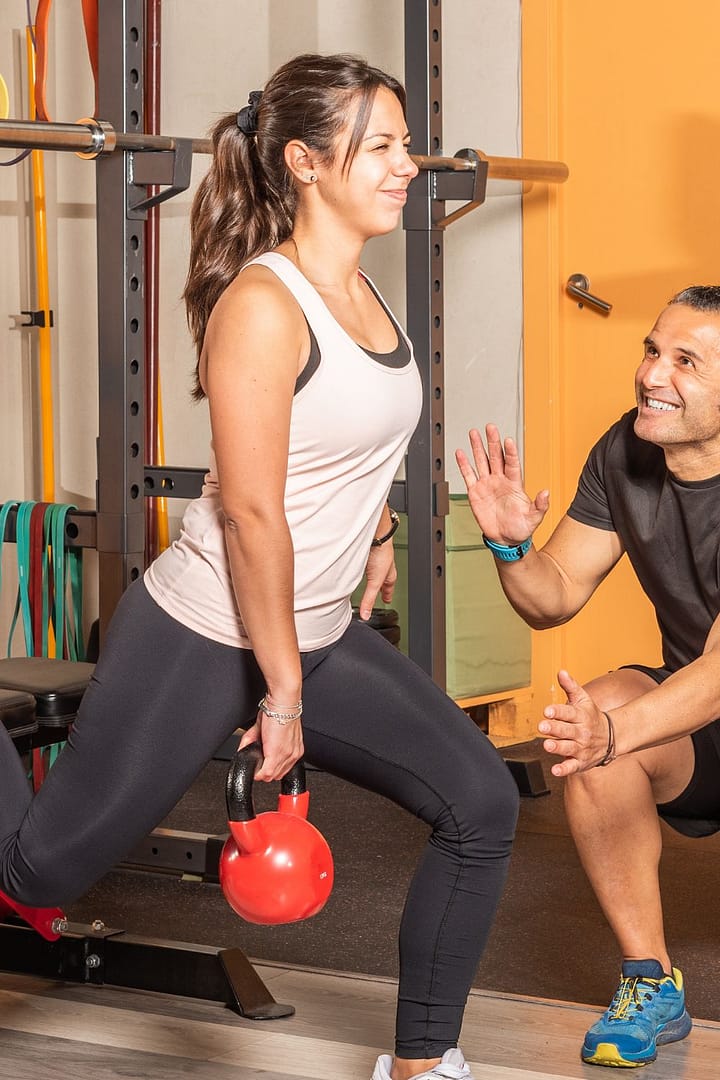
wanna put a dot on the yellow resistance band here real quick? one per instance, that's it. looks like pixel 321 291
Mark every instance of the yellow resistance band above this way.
pixel 43 298
pixel 4 100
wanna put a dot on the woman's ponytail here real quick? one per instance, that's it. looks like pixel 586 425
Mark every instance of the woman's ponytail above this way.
pixel 234 217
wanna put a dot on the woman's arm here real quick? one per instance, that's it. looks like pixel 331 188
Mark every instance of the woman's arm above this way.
pixel 380 570
pixel 256 342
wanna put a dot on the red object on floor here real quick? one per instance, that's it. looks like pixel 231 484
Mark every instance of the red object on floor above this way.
pixel 41 919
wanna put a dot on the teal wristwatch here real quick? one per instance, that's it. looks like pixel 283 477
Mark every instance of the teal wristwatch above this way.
pixel 508 554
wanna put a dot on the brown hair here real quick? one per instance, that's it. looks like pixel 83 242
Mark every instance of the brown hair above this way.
pixel 246 202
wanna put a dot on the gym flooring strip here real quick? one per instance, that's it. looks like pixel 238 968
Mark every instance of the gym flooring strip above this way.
pixel 52 1031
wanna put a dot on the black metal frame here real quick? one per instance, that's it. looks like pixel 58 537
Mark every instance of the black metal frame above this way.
pixel 427 488
pixel 80 528
pixel 121 311
pixel 97 955
pixel 172 851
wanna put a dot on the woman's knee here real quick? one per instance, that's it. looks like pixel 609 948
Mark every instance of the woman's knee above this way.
pixel 35 878
pixel 38 892
pixel 482 806
pixel 497 812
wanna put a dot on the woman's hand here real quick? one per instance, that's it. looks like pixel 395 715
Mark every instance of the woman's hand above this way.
pixel 282 745
pixel 578 731
pixel 380 577
pixel 501 507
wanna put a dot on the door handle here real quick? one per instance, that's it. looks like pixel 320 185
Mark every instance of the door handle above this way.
pixel 578 285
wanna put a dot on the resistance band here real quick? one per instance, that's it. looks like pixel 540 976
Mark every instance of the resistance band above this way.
pixel 5 510
pixel 4 113
pixel 4 100
pixel 49 596
pixel 22 600
pixel 43 300
pixel 42 17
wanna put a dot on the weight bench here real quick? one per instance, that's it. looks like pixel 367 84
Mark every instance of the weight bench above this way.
pixel 17 713
pixel 57 687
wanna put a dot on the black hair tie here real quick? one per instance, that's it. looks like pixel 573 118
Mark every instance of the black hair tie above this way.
pixel 247 117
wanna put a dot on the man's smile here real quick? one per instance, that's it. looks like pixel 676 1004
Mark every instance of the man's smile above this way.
pixel 660 406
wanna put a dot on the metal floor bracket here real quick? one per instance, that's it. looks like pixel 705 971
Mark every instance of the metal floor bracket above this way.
pixel 100 956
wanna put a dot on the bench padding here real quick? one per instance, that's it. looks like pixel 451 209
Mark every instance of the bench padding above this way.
pixel 17 713
pixel 56 685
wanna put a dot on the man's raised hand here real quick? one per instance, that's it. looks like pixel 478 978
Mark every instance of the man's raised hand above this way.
pixel 502 508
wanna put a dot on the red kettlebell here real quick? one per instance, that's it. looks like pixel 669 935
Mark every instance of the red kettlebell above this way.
pixel 276 867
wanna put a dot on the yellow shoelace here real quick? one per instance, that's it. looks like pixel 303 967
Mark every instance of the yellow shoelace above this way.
pixel 628 997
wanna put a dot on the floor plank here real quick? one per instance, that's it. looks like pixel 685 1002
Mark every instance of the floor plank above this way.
pixel 63 1031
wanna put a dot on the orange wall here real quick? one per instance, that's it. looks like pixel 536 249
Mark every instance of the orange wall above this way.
pixel 627 95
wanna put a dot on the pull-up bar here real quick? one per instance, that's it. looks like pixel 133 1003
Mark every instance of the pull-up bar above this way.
pixel 88 138
pixel 91 137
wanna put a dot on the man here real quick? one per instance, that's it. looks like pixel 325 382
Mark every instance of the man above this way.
pixel 651 488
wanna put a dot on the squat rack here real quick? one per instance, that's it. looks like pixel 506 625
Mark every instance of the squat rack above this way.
pixel 128 161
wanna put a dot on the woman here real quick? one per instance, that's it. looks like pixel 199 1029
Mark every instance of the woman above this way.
pixel 313 396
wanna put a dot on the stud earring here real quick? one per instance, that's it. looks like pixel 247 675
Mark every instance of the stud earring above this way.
pixel 312 178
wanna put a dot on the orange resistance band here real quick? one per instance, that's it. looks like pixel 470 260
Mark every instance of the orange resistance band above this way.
pixel 42 18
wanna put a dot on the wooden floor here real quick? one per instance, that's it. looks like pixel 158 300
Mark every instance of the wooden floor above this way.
pixel 71 1032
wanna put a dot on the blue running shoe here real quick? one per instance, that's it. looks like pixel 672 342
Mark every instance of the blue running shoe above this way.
pixel 648 1009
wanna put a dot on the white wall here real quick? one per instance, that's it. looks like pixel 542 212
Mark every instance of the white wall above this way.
pixel 483 272
pixel 214 52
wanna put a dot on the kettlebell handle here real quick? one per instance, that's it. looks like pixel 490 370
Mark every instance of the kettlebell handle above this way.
pixel 241 776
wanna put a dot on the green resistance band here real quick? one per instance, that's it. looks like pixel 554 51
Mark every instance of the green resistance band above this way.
pixel 61 583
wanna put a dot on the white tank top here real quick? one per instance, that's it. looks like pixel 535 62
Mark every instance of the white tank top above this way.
pixel 350 426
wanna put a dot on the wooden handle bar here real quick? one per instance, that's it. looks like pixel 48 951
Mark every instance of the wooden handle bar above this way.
pixel 529 169
pixel 500 168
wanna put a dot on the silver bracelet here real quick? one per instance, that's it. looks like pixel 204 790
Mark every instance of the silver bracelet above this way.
pixel 283 715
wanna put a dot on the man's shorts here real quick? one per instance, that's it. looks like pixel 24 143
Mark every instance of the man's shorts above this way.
pixel 696 811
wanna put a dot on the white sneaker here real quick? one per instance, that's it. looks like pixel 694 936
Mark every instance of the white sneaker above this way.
pixel 452 1067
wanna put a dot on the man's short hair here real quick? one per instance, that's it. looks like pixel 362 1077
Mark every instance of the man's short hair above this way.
pixel 700 297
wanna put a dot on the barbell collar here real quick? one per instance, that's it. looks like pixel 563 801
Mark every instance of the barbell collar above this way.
pixel 103 138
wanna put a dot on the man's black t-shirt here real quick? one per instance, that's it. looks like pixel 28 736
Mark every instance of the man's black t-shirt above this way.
pixel 670 529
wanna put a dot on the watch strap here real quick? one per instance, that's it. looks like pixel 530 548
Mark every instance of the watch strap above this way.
pixel 511 553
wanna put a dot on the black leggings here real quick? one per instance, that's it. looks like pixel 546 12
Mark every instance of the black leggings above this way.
pixel 163 699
